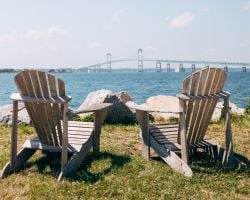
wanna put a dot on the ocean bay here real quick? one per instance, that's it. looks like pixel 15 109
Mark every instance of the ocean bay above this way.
pixel 138 85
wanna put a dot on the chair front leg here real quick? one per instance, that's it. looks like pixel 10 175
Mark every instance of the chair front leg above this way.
pixel 229 155
pixel 13 152
pixel 100 116
pixel 183 131
pixel 64 157
pixel 143 119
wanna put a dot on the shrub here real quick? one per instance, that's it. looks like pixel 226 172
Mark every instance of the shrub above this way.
pixel 248 107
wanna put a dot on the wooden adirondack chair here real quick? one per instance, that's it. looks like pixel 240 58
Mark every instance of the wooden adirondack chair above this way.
pixel 47 105
pixel 197 102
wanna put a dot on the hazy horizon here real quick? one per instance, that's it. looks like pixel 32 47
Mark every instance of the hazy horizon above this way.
pixel 60 33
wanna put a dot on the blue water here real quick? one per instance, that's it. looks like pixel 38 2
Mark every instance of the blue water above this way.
pixel 139 85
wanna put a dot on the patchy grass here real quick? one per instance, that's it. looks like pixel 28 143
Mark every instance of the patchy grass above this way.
pixel 120 172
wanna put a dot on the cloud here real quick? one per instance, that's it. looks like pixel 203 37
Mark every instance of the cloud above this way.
pixel 54 30
pixel 94 45
pixel 35 35
pixel 116 17
pixel 12 36
pixel 149 49
pixel 246 6
pixel 167 18
pixel 51 32
pixel 182 20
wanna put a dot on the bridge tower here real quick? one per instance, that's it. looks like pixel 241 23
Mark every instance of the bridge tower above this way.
pixel 226 68
pixel 140 60
pixel 193 67
pixel 181 68
pixel 168 67
pixel 108 62
pixel 244 69
pixel 158 66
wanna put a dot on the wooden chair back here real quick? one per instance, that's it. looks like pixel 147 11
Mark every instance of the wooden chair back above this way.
pixel 203 83
pixel 46 117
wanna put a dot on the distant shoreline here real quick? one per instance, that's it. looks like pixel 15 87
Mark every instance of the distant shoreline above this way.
pixel 102 70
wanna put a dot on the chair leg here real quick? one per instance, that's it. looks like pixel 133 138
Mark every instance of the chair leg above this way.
pixel 99 119
pixel 183 132
pixel 22 157
pixel 75 160
pixel 229 154
pixel 143 119
pixel 145 151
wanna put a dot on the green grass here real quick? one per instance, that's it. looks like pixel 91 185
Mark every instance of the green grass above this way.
pixel 120 172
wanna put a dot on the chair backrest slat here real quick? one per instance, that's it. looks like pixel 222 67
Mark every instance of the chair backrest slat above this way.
pixel 61 87
pixel 46 117
pixel 185 88
pixel 207 81
pixel 204 106
pixel 192 91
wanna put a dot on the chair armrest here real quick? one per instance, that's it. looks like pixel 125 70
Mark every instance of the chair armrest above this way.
pixel 92 108
pixel 144 108
pixel 56 99
pixel 186 97
pixel 225 94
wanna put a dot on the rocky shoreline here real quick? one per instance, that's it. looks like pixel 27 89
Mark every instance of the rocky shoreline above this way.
pixel 119 112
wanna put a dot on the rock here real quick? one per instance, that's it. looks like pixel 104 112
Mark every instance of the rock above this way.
pixel 6 114
pixel 234 109
pixel 119 112
pixel 162 102
pixel 172 103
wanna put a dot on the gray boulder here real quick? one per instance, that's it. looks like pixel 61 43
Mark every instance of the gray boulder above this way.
pixel 233 109
pixel 6 114
pixel 119 112
pixel 172 103
pixel 162 102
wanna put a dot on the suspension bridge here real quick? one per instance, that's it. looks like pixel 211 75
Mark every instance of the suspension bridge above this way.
pixel 164 64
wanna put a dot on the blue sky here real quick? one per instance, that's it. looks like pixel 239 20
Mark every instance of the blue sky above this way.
pixel 64 33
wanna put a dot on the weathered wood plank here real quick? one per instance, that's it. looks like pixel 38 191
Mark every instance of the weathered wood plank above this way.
pixel 183 132
pixel 25 98
pixel 229 141
pixel 165 130
pixel 64 157
pixel 168 156
pixel 198 107
pixel 204 107
pixel 211 103
pixel 99 119
pixel 53 109
pixel 76 160
pixel 92 108
pixel 219 80
pixel 186 84
pixel 23 90
pixel 192 106
pixel 143 119
pixel 61 87
pixel 13 153
pixel 22 156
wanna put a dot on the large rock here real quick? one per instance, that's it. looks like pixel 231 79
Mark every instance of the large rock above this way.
pixel 172 103
pixel 6 114
pixel 234 109
pixel 119 112
pixel 162 102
